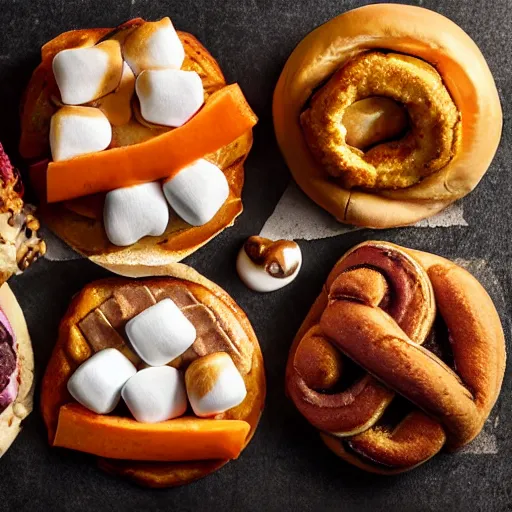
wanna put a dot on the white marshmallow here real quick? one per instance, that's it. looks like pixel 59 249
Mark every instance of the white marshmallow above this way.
pixel 169 97
pixel 86 74
pixel 214 384
pixel 131 213
pixel 197 192
pixel 154 45
pixel 160 333
pixel 98 382
pixel 77 131
pixel 156 394
pixel 258 279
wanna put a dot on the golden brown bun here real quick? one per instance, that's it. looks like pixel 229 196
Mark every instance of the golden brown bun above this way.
pixel 189 290
pixel 412 31
pixel 12 417
pixel 80 222
pixel 378 307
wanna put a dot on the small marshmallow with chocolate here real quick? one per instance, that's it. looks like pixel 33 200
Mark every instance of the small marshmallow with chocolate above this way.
pixel 98 382
pixel 154 45
pixel 160 333
pixel 169 97
pixel 197 192
pixel 214 385
pixel 265 265
pixel 131 213
pixel 86 74
pixel 156 394
pixel 76 131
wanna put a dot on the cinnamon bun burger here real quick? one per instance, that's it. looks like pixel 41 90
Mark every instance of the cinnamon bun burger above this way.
pixel 387 114
pixel 159 377
pixel 136 143
pixel 401 355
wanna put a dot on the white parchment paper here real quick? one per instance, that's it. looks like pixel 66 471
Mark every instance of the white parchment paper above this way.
pixel 296 217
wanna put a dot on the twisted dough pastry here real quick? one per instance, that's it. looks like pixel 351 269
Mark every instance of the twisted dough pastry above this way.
pixel 378 308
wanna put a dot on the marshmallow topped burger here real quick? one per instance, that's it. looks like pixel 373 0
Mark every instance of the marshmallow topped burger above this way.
pixel 161 378
pixel 19 247
pixel 136 142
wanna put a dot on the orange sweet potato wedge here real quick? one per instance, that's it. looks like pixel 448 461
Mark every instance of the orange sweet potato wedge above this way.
pixel 225 117
pixel 115 437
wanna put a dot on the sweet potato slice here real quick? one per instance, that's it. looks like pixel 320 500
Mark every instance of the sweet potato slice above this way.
pixel 225 117
pixel 180 439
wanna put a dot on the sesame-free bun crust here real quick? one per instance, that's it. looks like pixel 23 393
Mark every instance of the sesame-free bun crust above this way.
pixel 80 222
pixel 12 417
pixel 72 349
pixel 412 31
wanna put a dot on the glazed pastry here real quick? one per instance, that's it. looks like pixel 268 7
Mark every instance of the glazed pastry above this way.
pixel 20 246
pixel 265 265
pixel 387 114
pixel 16 369
pixel 136 142
pixel 162 378
pixel 402 354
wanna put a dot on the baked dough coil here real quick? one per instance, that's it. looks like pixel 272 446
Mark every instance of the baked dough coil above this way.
pixel 388 29
pixel 419 328
pixel 429 144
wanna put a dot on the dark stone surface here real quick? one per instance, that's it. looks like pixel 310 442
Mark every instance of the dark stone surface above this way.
pixel 286 466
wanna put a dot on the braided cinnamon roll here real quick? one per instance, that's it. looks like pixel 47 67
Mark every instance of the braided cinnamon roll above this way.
pixel 402 354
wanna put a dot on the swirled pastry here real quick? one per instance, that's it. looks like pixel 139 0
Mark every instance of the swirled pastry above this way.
pixel 387 114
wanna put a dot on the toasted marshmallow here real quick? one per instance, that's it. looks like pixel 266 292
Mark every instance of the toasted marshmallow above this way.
pixel 160 333
pixel 77 131
pixel 169 97
pixel 86 74
pixel 156 394
pixel 98 382
pixel 117 105
pixel 214 384
pixel 197 192
pixel 131 213
pixel 154 45
pixel 265 266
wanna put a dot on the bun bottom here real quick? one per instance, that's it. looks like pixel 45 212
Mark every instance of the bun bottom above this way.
pixel 12 417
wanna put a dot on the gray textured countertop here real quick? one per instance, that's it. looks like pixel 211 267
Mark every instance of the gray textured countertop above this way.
pixel 286 467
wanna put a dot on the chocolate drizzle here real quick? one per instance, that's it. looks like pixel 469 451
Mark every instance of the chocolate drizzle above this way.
pixel 272 255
